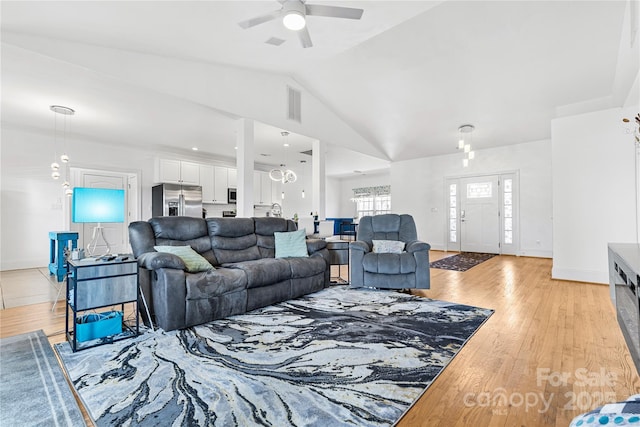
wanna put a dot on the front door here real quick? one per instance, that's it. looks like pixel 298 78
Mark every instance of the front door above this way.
pixel 480 214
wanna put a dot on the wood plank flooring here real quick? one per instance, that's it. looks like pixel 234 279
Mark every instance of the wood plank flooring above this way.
pixel 553 349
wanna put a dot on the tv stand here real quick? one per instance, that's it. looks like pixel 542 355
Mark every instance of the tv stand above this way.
pixel 624 283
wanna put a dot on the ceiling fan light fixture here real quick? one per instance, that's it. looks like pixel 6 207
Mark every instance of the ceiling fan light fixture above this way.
pixel 293 15
pixel 294 20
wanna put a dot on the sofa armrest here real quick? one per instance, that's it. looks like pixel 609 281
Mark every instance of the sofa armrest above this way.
pixel 417 246
pixel 156 260
pixel 169 293
pixel 359 245
pixel 357 251
pixel 315 245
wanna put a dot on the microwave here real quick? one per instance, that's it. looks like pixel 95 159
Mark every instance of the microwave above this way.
pixel 232 194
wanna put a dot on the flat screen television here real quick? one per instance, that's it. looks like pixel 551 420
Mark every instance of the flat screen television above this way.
pixel 97 205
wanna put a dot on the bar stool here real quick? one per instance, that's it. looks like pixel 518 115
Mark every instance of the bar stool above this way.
pixel 58 241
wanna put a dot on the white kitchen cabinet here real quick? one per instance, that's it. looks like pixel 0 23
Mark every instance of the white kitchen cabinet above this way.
pixel 177 172
pixel 257 183
pixel 262 188
pixel 220 184
pixel 214 181
pixel 232 176
pixel 190 173
pixel 276 192
pixel 266 195
pixel 207 183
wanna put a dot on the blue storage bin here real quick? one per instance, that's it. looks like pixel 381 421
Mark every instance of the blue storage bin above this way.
pixel 92 326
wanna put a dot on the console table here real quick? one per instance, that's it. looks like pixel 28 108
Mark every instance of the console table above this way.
pixel 94 284
pixel 624 283
pixel 338 255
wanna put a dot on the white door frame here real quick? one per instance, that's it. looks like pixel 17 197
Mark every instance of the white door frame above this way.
pixel 505 248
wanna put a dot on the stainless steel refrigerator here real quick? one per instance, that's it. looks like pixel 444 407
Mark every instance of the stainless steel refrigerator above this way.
pixel 176 200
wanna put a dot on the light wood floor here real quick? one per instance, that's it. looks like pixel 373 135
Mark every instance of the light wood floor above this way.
pixel 553 349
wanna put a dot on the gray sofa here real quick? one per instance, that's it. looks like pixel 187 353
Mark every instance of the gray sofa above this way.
pixel 406 270
pixel 247 275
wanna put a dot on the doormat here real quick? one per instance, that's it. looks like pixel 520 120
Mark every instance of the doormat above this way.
pixel 338 357
pixel 462 261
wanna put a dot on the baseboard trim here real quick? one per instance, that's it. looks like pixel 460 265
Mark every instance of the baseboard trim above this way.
pixel 22 264
pixel 536 253
pixel 588 276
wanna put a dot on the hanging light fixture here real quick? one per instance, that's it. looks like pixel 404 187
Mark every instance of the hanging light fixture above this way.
pixel 293 17
pixel 283 174
pixel 64 157
pixel 464 143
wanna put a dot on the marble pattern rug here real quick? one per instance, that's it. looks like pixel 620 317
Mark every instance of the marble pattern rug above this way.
pixel 339 357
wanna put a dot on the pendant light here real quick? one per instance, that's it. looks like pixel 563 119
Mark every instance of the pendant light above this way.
pixel 64 157
pixel 464 143
pixel 283 174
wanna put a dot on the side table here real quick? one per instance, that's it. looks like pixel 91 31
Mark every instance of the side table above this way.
pixel 94 284
pixel 338 255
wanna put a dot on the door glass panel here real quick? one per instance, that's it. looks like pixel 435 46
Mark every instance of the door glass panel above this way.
pixel 453 213
pixel 478 190
pixel 508 224
pixel 508 211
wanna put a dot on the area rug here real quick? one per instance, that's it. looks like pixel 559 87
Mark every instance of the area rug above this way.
pixel 333 358
pixel 462 261
pixel 33 390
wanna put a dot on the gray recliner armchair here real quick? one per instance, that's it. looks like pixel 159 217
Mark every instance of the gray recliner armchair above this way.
pixel 406 270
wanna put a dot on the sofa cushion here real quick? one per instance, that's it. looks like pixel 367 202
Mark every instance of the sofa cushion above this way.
pixel 265 227
pixel 389 263
pixel 263 272
pixel 306 267
pixel 213 283
pixel 233 239
pixel 192 260
pixel 183 231
pixel 291 244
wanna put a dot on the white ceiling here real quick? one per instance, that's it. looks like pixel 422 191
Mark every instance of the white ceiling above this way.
pixel 404 77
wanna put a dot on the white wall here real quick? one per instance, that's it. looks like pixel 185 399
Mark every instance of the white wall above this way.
pixel 417 188
pixel 593 192
pixel 33 203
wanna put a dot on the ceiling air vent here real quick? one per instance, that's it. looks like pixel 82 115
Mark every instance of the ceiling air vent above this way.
pixel 294 107
pixel 275 41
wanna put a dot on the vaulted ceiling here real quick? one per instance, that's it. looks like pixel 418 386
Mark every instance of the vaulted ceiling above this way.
pixel 396 83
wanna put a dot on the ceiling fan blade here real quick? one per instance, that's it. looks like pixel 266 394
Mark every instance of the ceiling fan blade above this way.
pixel 334 11
pixel 259 19
pixel 305 38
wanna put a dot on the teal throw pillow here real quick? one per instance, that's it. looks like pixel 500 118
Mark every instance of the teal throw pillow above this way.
pixel 291 244
pixel 192 259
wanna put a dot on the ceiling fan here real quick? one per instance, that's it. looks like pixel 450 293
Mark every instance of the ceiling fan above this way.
pixel 294 13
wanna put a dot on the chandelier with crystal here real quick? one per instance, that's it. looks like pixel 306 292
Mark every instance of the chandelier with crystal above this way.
pixel 283 174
